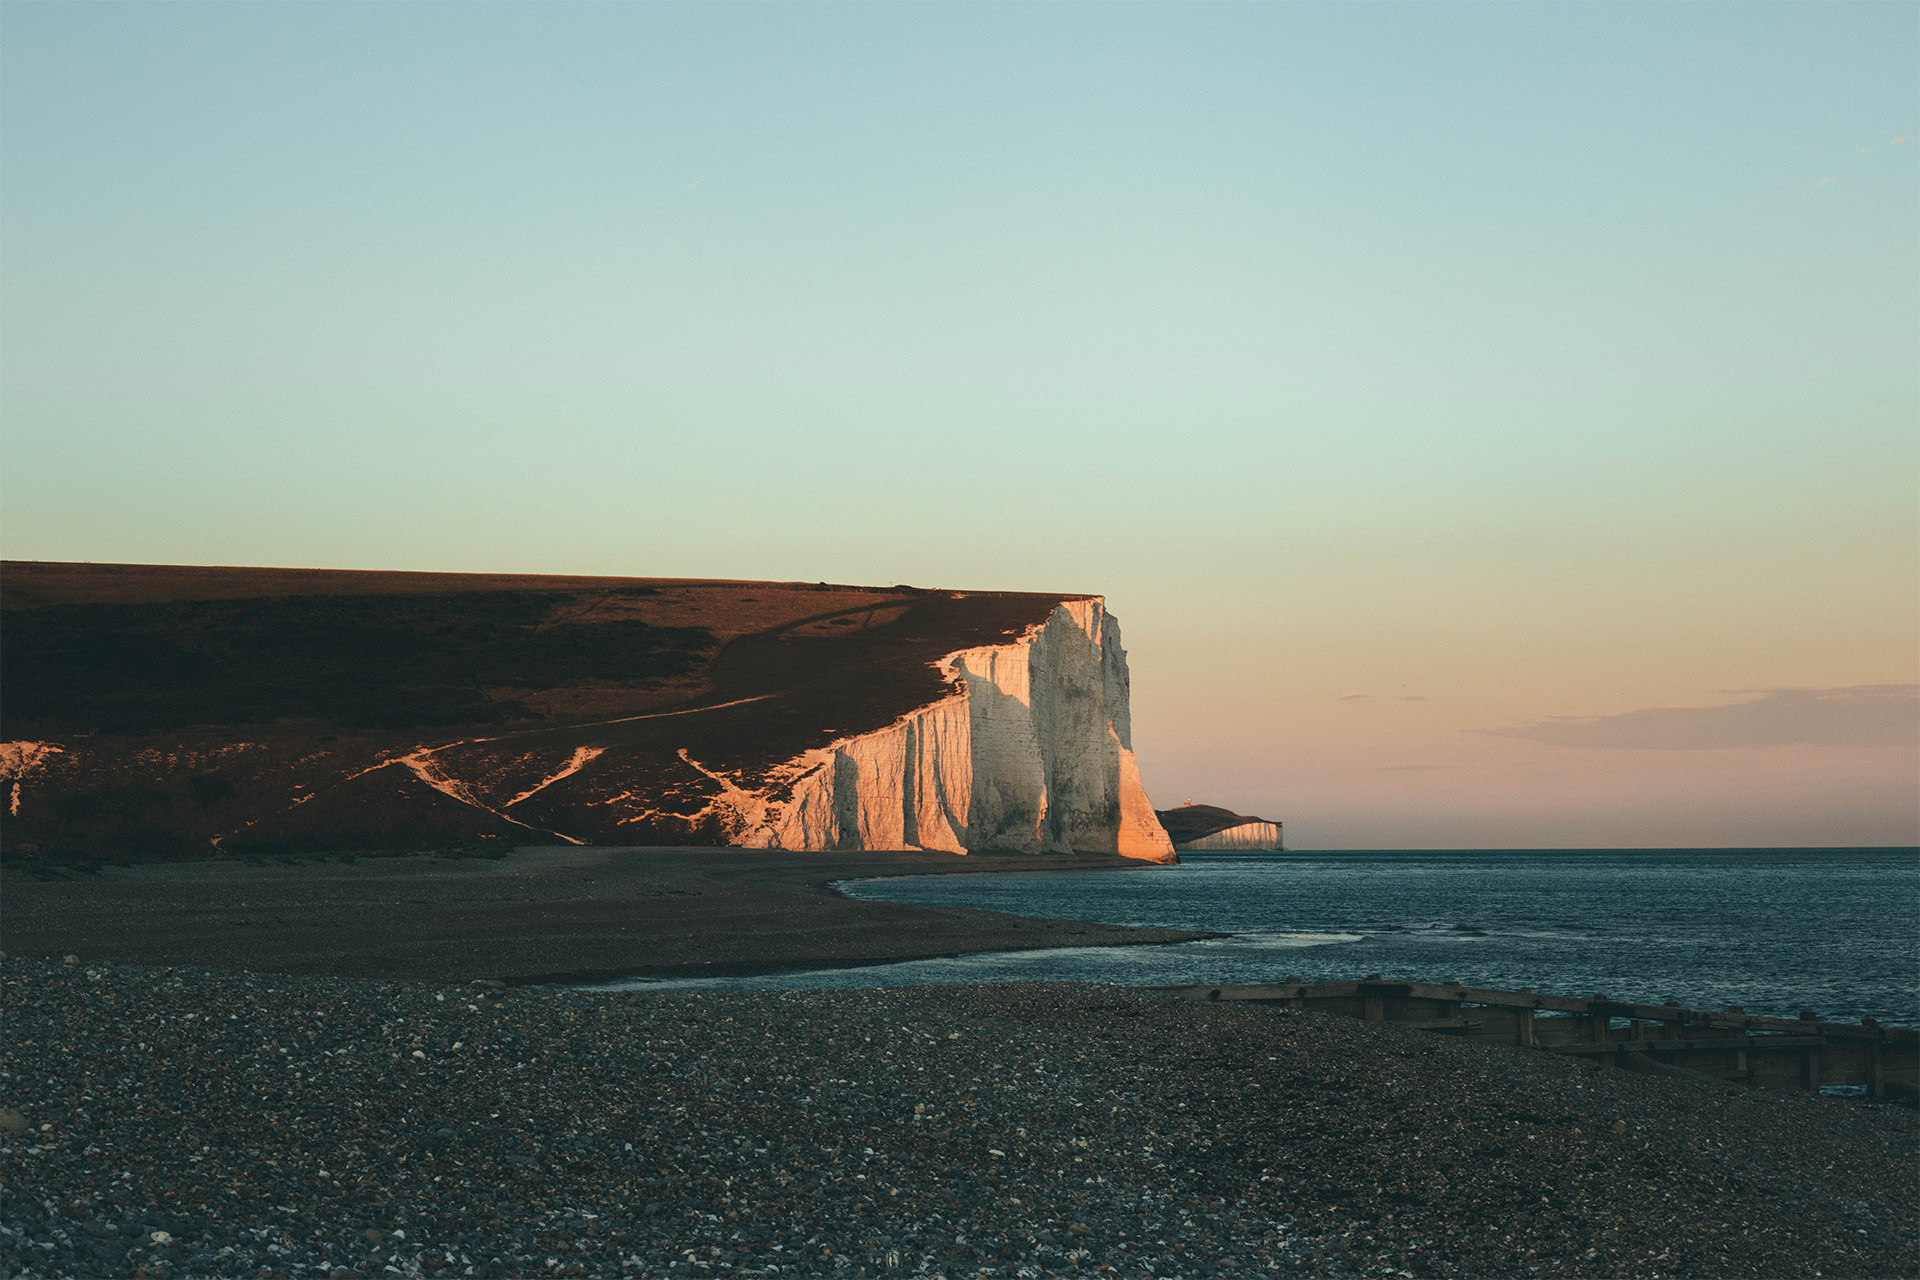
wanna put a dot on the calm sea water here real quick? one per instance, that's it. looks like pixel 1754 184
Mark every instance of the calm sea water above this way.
pixel 1774 930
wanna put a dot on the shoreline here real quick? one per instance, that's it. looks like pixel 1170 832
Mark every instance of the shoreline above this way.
pixel 595 982
pixel 539 914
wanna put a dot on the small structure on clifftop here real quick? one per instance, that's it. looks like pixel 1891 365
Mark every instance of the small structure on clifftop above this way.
pixel 1206 827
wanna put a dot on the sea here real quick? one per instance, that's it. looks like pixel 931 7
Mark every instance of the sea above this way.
pixel 1775 931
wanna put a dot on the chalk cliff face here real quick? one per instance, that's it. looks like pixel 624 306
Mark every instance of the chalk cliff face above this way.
pixel 1032 751
pixel 1209 827
pixel 1247 837
pixel 157 711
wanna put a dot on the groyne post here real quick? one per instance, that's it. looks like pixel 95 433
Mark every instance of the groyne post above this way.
pixel 1809 1059
pixel 1876 1073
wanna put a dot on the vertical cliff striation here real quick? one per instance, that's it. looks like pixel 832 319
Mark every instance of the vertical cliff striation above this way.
pixel 1248 837
pixel 1209 828
pixel 1032 751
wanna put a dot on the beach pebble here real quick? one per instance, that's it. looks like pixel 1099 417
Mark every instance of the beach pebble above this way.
pixel 998 1131
pixel 12 1123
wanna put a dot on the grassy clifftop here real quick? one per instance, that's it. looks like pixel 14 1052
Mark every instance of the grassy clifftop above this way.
pixel 167 710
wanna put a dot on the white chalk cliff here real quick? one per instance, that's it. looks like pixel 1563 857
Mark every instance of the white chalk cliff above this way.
pixel 608 711
pixel 1032 751
pixel 1248 836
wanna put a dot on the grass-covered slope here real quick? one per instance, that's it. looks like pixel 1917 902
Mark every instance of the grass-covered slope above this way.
pixel 166 710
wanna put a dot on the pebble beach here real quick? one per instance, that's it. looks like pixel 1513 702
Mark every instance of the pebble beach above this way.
pixel 175 1122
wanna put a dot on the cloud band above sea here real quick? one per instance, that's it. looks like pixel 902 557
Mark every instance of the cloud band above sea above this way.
pixel 1868 715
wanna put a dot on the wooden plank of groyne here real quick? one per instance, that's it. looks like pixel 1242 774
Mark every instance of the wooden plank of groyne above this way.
pixel 1732 1020
pixel 1660 1013
pixel 1674 1046
pixel 1645 1065
pixel 1730 1046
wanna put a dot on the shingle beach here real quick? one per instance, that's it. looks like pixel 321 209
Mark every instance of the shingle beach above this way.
pixel 174 1122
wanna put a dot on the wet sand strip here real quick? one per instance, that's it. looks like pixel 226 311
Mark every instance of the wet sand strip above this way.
pixel 533 915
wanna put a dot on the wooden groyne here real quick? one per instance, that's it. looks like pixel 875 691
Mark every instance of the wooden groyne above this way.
pixel 1729 1046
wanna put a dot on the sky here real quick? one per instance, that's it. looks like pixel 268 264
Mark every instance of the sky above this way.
pixel 1493 425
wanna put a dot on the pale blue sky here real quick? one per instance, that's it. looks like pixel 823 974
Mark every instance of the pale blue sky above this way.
pixel 1560 357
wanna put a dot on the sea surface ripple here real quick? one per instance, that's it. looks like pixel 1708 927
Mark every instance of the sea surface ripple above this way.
pixel 1775 931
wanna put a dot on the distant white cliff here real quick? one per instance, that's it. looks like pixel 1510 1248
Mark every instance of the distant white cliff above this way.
pixel 1248 836
pixel 1032 751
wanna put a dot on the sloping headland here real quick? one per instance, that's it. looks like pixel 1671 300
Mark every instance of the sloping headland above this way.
pixel 1207 827
pixel 163 711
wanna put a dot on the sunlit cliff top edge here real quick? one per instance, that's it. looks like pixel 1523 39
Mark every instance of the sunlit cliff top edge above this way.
pixel 27 583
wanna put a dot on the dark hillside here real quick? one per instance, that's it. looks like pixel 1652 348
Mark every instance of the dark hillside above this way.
pixel 161 710
pixel 348 662
pixel 1193 821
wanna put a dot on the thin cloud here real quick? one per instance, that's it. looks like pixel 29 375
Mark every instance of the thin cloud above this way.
pixel 1354 697
pixel 1864 715
pixel 1413 697
pixel 1824 181
pixel 1412 768
pixel 1897 141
